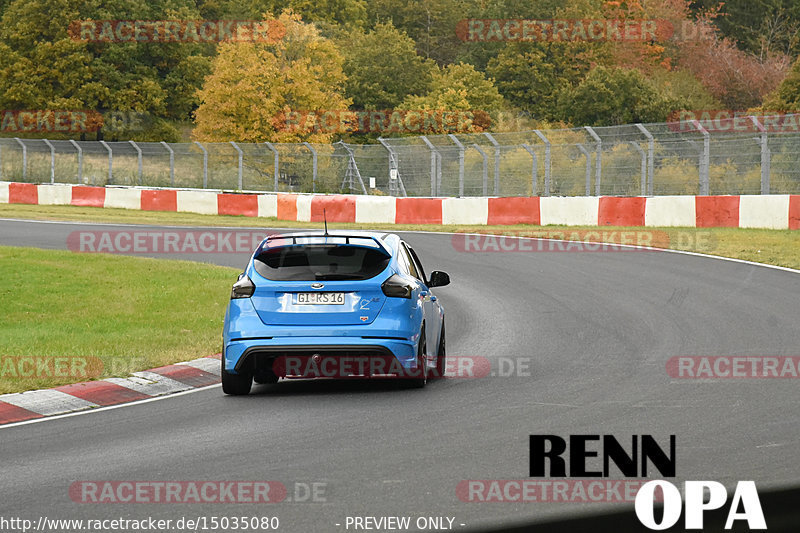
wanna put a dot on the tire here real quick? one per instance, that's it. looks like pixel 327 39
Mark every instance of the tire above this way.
pixel 441 357
pixel 420 382
pixel 236 384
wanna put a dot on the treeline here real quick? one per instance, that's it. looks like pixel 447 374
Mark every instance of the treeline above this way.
pixel 412 56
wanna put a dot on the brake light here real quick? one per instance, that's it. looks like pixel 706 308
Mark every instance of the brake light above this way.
pixel 243 288
pixel 398 286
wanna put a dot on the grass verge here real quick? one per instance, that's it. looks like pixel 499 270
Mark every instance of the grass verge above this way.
pixel 774 247
pixel 67 317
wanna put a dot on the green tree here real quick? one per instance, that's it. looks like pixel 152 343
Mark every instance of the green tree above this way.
pixel 43 66
pixel 681 87
pixel 383 68
pixel 758 26
pixel 430 23
pixel 254 87
pixel 787 96
pixel 612 96
pixel 531 76
pixel 348 13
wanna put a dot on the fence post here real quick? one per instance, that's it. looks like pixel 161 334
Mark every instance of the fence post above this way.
pixel 52 160
pixel 644 165
pixel 485 169
pixel 598 164
pixel 651 145
pixel 585 152
pixel 138 158
pixel 313 165
pixel 171 163
pixel 80 160
pixel 394 163
pixel 205 164
pixel 275 165
pixel 352 169
pixel 546 161
pixel 765 155
pixel 24 159
pixel 110 163
pixel 1 162
pixel 534 169
pixel 434 174
pixel 705 158
pixel 690 148
pixel 460 164
pixel 496 163
pixel 241 161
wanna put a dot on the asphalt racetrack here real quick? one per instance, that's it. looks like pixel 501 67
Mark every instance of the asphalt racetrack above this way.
pixel 594 329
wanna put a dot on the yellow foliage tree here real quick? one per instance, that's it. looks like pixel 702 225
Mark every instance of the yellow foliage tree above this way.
pixel 255 86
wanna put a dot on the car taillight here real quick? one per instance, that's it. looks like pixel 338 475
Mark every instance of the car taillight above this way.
pixel 397 286
pixel 243 288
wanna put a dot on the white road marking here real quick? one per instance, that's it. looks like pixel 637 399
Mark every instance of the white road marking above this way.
pixel 108 408
pixel 130 384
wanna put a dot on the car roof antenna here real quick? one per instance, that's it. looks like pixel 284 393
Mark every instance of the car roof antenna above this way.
pixel 325 219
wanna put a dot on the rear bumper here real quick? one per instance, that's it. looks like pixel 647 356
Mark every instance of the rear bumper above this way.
pixel 250 354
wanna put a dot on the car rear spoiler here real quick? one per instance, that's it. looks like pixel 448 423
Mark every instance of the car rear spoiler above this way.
pixel 349 240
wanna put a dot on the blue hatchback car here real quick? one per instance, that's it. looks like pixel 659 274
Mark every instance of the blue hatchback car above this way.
pixel 314 304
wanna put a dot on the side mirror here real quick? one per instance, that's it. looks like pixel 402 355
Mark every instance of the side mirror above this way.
pixel 439 279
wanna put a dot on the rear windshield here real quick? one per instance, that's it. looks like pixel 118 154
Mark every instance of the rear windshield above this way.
pixel 320 262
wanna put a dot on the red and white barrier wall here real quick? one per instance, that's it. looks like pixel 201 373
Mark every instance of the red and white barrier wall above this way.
pixel 776 211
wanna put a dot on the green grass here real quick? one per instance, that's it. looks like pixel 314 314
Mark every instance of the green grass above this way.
pixel 129 313
pixel 136 313
pixel 775 247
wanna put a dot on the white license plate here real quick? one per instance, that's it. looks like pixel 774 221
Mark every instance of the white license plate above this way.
pixel 320 298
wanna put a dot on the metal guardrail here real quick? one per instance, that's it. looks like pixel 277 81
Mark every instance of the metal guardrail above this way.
pixel 628 160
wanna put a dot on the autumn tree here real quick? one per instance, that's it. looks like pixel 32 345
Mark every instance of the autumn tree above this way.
pixel 461 87
pixel 254 88
pixel 736 78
